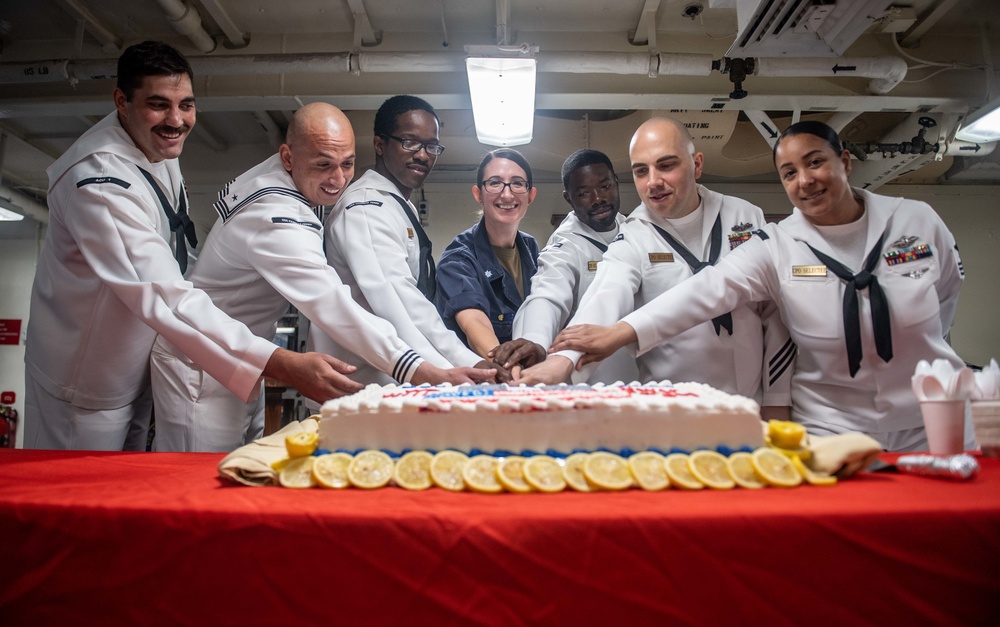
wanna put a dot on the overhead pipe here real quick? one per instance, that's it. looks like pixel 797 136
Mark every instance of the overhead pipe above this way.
pixel 25 205
pixel 186 21
pixel 886 72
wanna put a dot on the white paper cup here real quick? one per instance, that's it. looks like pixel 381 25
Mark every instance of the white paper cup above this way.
pixel 944 422
pixel 986 421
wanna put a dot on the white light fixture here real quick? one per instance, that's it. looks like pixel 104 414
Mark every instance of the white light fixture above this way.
pixel 983 125
pixel 503 99
pixel 9 212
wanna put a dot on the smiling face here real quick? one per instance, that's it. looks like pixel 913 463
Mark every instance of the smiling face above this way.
pixel 815 179
pixel 159 115
pixel 319 153
pixel 665 168
pixel 407 170
pixel 593 194
pixel 504 209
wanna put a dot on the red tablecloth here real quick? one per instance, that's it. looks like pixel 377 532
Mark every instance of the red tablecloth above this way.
pixel 123 538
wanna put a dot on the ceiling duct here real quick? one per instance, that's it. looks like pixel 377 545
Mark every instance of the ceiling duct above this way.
pixel 807 28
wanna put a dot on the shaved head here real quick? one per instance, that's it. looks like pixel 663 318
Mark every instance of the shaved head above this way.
pixel 319 152
pixel 665 167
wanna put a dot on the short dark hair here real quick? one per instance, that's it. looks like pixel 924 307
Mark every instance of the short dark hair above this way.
pixel 581 158
pixel 503 153
pixel 387 116
pixel 810 127
pixel 150 58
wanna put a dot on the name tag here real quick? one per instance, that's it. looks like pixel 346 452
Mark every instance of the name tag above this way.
pixel 591 266
pixel 808 270
pixel 409 232
pixel 661 257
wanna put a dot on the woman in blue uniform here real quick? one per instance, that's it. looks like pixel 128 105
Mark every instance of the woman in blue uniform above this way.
pixel 485 273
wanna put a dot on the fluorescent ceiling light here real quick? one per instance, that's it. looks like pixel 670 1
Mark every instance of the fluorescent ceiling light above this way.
pixel 983 125
pixel 9 212
pixel 503 99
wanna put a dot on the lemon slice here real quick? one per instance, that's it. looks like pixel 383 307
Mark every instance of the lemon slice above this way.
pixel 279 465
pixel 793 453
pixel 330 470
pixel 775 468
pixel 413 471
pixel 813 478
pixel 480 474
pixel 785 433
pixel 676 465
pixel 608 471
pixel 297 474
pixel 544 474
pixel 446 470
pixel 741 469
pixel 510 472
pixel 301 444
pixel 648 471
pixel 370 470
pixel 711 469
pixel 572 472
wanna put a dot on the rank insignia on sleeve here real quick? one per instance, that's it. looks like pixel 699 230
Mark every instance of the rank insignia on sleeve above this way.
pixel 808 270
pixel 904 241
pixel 409 232
pixel 896 257
pixel 591 266
pixel 742 226
pixel 735 239
pixel 661 257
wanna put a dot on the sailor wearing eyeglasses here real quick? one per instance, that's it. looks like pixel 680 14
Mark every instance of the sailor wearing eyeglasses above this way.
pixel 376 244
pixel 485 273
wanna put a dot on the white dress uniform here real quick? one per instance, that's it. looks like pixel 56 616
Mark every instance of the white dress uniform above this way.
pixel 754 361
pixel 107 282
pixel 920 272
pixel 566 268
pixel 372 245
pixel 264 252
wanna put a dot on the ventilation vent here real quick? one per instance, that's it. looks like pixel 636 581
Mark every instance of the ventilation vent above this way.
pixel 802 28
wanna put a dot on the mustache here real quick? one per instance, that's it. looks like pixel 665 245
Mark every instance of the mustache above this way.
pixel 159 128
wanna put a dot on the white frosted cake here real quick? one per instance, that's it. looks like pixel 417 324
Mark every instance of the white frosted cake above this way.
pixel 556 419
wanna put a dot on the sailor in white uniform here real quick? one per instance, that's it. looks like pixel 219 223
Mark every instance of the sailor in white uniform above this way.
pixel 567 266
pixel 108 279
pixel 859 335
pixel 264 252
pixel 680 229
pixel 376 244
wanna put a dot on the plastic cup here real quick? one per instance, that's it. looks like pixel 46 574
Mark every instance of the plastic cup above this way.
pixel 986 422
pixel 944 422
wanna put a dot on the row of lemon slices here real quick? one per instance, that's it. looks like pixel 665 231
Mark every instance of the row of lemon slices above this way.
pixel 583 472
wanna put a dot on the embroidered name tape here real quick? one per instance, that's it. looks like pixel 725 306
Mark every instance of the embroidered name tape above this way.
pixel 311 225
pixel 808 270
pixel 661 257
pixel 896 257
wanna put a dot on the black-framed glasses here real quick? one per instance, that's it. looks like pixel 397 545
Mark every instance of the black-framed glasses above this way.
pixel 495 186
pixel 414 145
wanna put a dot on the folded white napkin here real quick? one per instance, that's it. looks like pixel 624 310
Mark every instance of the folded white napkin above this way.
pixel 251 464
pixel 988 383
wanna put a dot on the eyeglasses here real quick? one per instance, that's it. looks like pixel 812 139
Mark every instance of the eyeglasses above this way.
pixel 495 186
pixel 414 145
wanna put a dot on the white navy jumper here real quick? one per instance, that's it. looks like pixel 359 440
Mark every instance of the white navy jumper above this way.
pixel 566 268
pixel 373 246
pixel 107 281
pixel 754 360
pixel 920 272
pixel 264 252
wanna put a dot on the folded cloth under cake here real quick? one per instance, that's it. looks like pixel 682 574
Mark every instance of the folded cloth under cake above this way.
pixel 253 464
